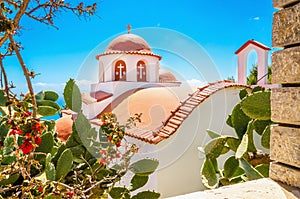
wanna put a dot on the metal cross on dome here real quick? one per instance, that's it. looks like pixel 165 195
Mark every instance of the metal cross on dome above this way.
pixel 128 28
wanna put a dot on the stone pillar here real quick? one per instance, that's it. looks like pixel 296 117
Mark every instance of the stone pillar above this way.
pixel 285 101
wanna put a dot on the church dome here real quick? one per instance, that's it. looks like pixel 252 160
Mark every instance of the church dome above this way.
pixel 129 43
pixel 166 76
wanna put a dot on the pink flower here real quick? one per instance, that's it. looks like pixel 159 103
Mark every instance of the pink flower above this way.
pixel 26 146
pixel 119 144
pixel 40 189
pixel 70 194
pixel 118 155
pixel 103 151
pixel 102 161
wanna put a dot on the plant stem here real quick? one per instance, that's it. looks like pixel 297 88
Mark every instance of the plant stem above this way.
pixel 26 74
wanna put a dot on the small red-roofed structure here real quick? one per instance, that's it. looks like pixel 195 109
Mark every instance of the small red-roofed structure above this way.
pixel 262 61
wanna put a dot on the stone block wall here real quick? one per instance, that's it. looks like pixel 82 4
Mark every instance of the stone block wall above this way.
pixel 285 101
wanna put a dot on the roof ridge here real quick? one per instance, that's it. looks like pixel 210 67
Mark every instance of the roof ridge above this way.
pixel 181 112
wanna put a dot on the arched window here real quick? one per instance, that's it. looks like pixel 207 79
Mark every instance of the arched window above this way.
pixel 141 71
pixel 120 71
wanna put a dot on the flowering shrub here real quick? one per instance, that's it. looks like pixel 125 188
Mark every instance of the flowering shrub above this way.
pixel 36 164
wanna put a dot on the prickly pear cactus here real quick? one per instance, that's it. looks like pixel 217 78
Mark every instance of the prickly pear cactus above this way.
pixel 251 115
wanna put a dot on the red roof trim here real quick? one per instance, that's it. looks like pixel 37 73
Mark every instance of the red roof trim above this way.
pixel 129 52
pixel 254 43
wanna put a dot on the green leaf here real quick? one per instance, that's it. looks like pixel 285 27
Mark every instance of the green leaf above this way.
pixel 119 193
pixel 251 172
pixel 78 152
pixel 243 93
pixel 233 143
pixel 237 174
pixel 225 150
pixel 50 171
pixel 215 164
pixel 74 138
pixel 263 169
pixel 82 127
pixel 47 143
pixel 3 131
pixel 239 120
pixel 212 134
pixel 257 105
pixel 40 95
pixel 265 138
pixel 51 95
pixel 7 160
pixel 242 149
pixel 64 164
pixel 72 96
pixel 9 141
pixel 48 103
pixel 57 155
pixel 146 195
pixel 251 146
pixel 144 167
pixel 101 174
pixel 46 111
pixel 138 182
pixel 209 176
pixel 230 166
pixel 257 89
pixel 229 121
pixel 213 149
pixel 260 125
pixel 10 180
pixel 3 98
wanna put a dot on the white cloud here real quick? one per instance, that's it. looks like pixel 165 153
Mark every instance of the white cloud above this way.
pixel 256 18
pixel 43 84
pixel 83 82
pixel 195 82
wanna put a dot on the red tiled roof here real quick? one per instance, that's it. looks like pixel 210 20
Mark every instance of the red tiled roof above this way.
pixel 93 97
pixel 129 52
pixel 100 95
pixel 254 43
pixel 177 117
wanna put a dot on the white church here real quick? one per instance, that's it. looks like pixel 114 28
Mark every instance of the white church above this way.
pixel 130 76
pixel 128 64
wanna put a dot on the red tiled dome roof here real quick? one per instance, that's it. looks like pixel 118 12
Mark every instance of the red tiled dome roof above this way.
pixel 128 42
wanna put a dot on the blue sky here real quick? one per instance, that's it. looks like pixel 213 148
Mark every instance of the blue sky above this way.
pixel 219 27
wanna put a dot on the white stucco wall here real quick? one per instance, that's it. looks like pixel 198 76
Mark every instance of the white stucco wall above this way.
pixel 179 159
pixel 107 65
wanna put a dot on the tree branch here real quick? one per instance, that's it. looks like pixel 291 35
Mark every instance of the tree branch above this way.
pixel 26 74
